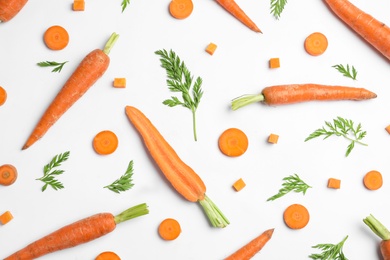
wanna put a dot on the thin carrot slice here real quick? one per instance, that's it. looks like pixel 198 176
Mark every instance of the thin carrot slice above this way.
pixel 316 44
pixel 105 142
pixel 169 229
pixel 296 216
pixel 233 142
pixel 181 9
pixel 56 37
pixel 373 180
pixel 6 217
pixel 8 174
pixel 107 255
pixel 3 95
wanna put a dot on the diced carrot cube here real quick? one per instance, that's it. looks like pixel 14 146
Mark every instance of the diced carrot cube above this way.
pixel 388 129
pixel 273 138
pixel 211 48
pixel 6 217
pixel 334 183
pixel 120 82
pixel 239 184
pixel 78 5
pixel 274 63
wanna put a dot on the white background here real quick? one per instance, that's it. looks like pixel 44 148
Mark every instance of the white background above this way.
pixel 239 66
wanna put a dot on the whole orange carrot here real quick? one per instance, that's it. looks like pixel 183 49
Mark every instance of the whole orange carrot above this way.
pixel 370 29
pixel 233 8
pixel 91 68
pixel 10 8
pixel 296 93
pixel 82 231
pixel 182 177
pixel 382 232
pixel 253 247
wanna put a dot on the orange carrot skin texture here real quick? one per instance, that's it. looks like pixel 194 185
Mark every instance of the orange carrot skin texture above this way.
pixel 232 7
pixel 91 68
pixel 10 8
pixel 384 247
pixel 182 177
pixel 296 93
pixel 373 31
pixel 74 234
pixel 253 247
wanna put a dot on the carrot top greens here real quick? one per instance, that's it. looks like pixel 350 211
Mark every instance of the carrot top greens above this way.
pixel 58 65
pixel 49 174
pixel 277 7
pixel 125 182
pixel 330 251
pixel 291 183
pixel 346 70
pixel 124 4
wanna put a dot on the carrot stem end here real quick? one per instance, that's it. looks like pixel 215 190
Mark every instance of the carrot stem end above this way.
pixel 377 227
pixel 214 214
pixel 110 43
pixel 133 212
pixel 246 100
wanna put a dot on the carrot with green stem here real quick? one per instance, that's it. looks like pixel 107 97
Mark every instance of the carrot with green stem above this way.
pixel 77 233
pixel 10 8
pixel 233 8
pixel 381 231
pixel 91 68
pixel 297 93
pixel 182 177
pixel 370 29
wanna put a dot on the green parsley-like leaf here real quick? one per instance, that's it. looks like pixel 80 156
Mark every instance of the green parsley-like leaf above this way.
pixel 277 7
pixel 180 79
pixel 346 71
pixel 341 127
pixel 58 65
pixel 49 174
pixel 330 251
pixel 291 183
pixel 124 4
pixel 124 183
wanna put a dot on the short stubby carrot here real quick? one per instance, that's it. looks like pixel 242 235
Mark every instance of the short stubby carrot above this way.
pixel 10 8
pixel 370 29
pixel 8 174
pixel 296 216
pixel 169 229
pixel 91 68
pixel 181 9
pixel 3 95
pixel 253 247
pixel 181 176
pixel 298 93
pixel 105 142
pixel 77 233
pixel 56 37
pixel 233 142
pixel 316 44
pixel 233 8
pixel 108 255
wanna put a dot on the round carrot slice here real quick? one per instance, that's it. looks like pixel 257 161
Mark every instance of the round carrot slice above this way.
pixel 181 9
pixel 169 229
pixel 108 255
pixel 316 44
pixel 3 95
pixel 105 142
pixel 56 37
pixel 373 180
pixel 233 142
pixel 8 174
pixel 296 216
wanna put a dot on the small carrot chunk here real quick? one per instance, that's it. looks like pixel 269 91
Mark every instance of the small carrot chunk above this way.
pixel 239 184
pixel 105 142
pixel 233 142
pixel 274 63
pixel 169 229
pixel 334 183
pixel 107 255
pixel 181 9
pixel 119 83
pixel 3 95
pixel 316 44
pixel 210 49
pixel 273 138
pixel 387 127
pixel 296 216
pixel 6 217
pixel 56 37
pixel 78 5
pixel 373 180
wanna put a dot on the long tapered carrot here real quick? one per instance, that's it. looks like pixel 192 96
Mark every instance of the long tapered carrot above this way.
pixel 182 177
pixel 296 93
pixel 91 68
pixel 10 8
pixel 253 247
pixel 77 233
pixel 370 29
pixel 233 8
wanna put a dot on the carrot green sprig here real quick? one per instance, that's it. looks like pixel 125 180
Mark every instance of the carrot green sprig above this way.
pixel 49 174
pixel 57 65
pixel 291 183
pixel 277 7
pixel 349 72
pixel 341 127
pixel 330 251
pixel 125 182
pixel 181 80
pixel 124 4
